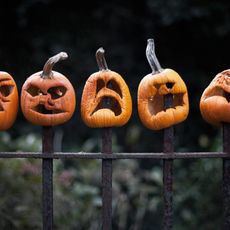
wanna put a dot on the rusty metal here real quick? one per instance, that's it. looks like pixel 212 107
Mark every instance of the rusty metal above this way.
pixel 168 148
pixel 106 179
pixel 226 176
pixel 47 178
pixel 115 156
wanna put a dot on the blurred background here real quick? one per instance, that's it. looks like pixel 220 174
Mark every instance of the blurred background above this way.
pixel 191 37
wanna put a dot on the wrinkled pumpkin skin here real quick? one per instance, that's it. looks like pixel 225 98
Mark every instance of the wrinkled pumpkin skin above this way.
pixel 48 101
pixel 8 101
pixel 105 85
pixel 214 102
pixel 151 92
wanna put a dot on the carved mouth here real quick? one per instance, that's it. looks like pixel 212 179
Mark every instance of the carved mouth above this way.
pixel 219 92
pixel 227 96
pixel 108 102
pixel 156 103
pixel 42 109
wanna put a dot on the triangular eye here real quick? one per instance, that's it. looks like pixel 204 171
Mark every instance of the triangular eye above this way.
pixel 169 85
pixel 112 84
pixel 57 92
pixel 6 90
pixel 100 85
pixel 33 91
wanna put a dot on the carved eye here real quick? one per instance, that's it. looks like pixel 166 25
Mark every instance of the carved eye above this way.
pixel 57 92
pixel 114 86
pixel 170 85
pixel 34 91
pixel 100 85
pixel 6 90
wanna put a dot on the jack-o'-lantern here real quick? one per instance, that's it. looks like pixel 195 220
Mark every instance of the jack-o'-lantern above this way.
pixel 8 100
pixel 48 97
pixel 151 93
pixel 214 102
pixel 106 100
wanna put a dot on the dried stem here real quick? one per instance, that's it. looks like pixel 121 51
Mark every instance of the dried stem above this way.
pixel 151 56
pixel 47 69
pixel 100 57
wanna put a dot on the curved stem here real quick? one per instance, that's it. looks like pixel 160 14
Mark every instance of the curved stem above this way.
pixel 100 57
pixel 47 69
pixel 151 56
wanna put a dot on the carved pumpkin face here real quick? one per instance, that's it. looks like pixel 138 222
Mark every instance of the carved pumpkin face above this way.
pixel 151 92
pixel 101 87
pixel 214 102
pixel 48 100
pixel 8 101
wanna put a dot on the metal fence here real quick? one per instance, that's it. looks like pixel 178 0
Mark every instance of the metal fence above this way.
pixel 107 156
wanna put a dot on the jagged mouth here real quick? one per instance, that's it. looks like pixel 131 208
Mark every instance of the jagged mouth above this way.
pixel 108 102
pixel 42 109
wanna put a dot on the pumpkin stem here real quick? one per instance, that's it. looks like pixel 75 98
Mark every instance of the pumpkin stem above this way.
pixel 151 56
pixel 47 69
pixel 100 57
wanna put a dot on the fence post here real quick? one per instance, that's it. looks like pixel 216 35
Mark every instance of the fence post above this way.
pixel 107 180
pixel 168 170
pixel 47 178
pixel 226 176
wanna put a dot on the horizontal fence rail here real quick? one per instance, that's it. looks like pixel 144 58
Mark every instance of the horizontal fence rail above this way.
pixel 115 156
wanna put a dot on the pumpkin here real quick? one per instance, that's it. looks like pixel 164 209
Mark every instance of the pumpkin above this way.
pixel 47 97
pixel 214 101
pixel 152 91
pixel 106 100
pixel 8 101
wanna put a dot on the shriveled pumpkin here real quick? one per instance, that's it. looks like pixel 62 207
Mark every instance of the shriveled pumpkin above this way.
pixel 152 90
pixel 106 100
pixel 214 102
pixel 48 97
pixel 8 101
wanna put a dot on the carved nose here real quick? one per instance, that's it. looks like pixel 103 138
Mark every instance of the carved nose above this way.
pixel 50 102
pixel 43 99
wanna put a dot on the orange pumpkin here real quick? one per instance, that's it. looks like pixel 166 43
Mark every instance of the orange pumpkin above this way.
pixel 8 101
pixel 214 102
pixel 106 100
pixel 152 90
pixel 47 97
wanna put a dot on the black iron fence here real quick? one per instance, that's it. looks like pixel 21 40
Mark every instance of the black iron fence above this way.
pixel 107 156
